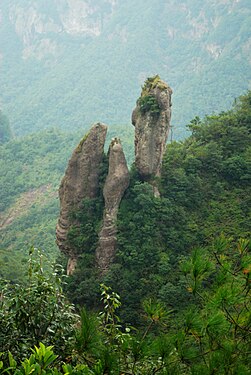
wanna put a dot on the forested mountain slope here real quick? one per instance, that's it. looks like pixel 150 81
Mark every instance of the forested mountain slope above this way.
pixel 31 169
pixel 205 193
pixel 70 63
pixel 191 311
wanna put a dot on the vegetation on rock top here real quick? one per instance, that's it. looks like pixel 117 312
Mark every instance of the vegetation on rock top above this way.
pixel 147 100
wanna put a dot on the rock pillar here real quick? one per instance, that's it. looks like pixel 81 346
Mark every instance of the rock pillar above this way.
pixel 81 180
pixel 117 181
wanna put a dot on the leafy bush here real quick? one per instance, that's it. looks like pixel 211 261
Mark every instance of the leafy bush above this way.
pixel 148 103
pixel 36 311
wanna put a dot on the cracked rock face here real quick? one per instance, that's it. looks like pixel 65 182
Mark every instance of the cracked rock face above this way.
pixel 117 181
pixel 151 119
pixel 81 180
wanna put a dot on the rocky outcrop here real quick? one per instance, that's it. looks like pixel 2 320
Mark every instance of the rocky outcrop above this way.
pixel 117 181
pixel 81 181
pixel 151 119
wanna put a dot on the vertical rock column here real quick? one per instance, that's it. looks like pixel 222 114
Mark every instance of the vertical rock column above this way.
pixel 81 180
pixel 151 119
pixel 117 181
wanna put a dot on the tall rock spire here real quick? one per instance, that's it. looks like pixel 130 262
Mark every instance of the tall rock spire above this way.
pixel 117 181
pixel 81 180
pixel 151 119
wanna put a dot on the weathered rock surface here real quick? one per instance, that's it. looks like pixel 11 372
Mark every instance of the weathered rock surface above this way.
pixel 151 119
pixel 81 181
pixel 117 181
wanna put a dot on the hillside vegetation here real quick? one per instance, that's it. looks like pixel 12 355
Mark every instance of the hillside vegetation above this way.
pixel 202 338
pixel 176 299
pixel 205 186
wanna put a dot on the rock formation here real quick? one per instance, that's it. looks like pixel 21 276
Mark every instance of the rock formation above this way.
pixel 151 119
pixel 117 181
pixel 81 181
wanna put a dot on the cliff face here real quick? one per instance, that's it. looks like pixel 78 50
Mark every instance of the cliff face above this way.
pixel 151 119
pixel 117 181
pixel 81 181
pixel 38 26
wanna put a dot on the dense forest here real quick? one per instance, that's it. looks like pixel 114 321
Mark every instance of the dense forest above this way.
pixel 205 192
pixel 176 299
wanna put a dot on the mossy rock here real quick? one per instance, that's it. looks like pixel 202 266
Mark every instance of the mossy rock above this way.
pixel 79 147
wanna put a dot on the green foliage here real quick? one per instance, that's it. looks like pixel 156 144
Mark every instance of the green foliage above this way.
pixel 146 251
pixel 87 336
pixel 84 236
pixel 35 311
pixel 198 267
pixel 41 362
pixel 209 173
pixel 221 326
pixel 148 103
pixel 111 302
pixel 82 287
pixel 212 335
